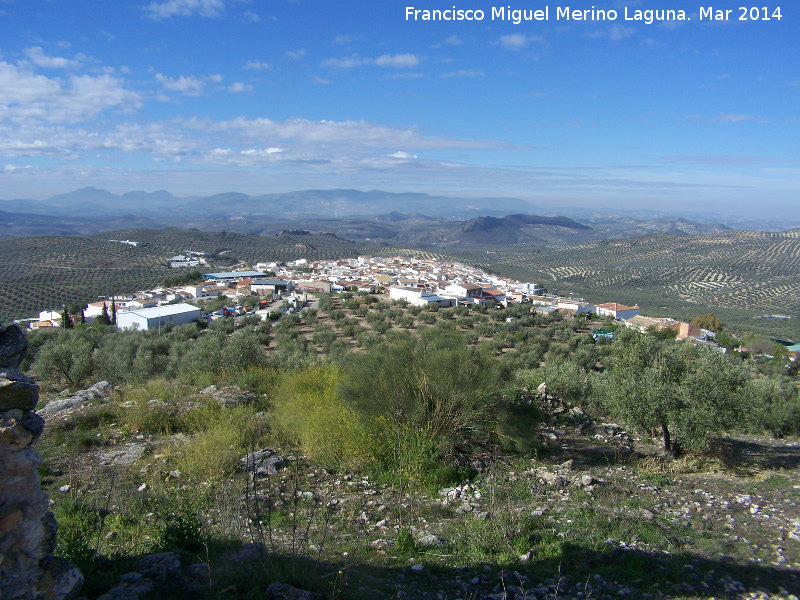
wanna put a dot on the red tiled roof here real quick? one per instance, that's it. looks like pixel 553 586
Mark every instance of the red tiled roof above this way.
pixel 615 306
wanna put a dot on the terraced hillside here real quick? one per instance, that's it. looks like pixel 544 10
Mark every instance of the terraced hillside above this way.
pixel 46 272
pixel 740 274
pixel 43 273
pixel 243 247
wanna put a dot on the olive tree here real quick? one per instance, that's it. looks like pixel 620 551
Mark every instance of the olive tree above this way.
pixel 687 393
pixel 67 358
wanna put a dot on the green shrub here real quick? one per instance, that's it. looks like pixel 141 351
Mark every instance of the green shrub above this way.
pixel 429 383
pixel 778 406
pixel 221 436
pixel 405 542
pixel 145 419
pixel 257 379
pixel 184 530
pixel 307 410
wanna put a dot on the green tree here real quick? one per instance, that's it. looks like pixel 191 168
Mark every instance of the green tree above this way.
pixel 708 321
pixel 642 386
pixel 349 328
pixel 688 393
pixel 103 318
pixel 66 358
pixel 323 336
pixel 243 350
pixel 326 303
pixel 662 333
pixel 778 405
pixel 564 379
pixel 66 320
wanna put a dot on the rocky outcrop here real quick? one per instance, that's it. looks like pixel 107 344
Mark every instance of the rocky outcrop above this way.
pixel 61 406
pixel 28 569
pixel 263 463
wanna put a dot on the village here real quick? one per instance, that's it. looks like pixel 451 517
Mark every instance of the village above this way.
pixel 268 287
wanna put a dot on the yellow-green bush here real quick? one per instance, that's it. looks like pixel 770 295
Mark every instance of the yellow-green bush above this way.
pixel 221 436
pixel 308 411
pixel 147 419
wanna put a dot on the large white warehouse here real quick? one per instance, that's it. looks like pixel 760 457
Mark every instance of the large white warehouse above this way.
pixel 151 318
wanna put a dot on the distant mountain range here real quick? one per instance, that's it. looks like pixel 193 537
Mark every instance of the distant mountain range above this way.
pixel 432 221
pixel 290 205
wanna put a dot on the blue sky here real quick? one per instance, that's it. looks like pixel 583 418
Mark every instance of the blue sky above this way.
pixel 204 96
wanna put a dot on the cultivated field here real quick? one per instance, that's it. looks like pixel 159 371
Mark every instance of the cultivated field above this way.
pixel 46 272
pixel 740 275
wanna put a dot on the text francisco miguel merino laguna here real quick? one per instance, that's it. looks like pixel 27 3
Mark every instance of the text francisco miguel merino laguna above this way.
pixel 565 13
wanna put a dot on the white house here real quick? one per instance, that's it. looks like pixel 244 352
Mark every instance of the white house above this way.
pixel 179 261
pixel 494 294
pixel 578 306
pixel 199 291
pixel 139 303
pixel 616 310
pixel 532 289
pixel 95 309
pixel 271 286
pixel 50 315
pixel 462 290
pixel 419 297
pixel 151 318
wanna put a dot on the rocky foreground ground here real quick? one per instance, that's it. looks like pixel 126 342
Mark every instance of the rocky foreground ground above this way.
pixel 595 514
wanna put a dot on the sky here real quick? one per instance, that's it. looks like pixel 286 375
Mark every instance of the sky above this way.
pixel 262 96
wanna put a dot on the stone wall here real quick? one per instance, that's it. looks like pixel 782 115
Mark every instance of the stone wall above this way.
pixel 28 569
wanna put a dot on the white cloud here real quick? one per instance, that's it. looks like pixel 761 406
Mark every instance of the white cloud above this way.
pixel 266 150
pixel 296 54
pixel 238 87
pixel 344 63
pixel 733 118
pixel 188 85
pixel 400 61
pixel 518 41
pixel 618 32
pixel 37 56
pixel 321 81
pixel 251 17
pixel 259 66
pixel 453 40
pixel 403 155
pixel 191 86
pixel 185 8
pixel 463 73
pixel 729 160
pixel 303 133
pixel 342 39
pixel 615 33
pixel 94 94
pixel 397 60
pixel 26 95
pixel 18 86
